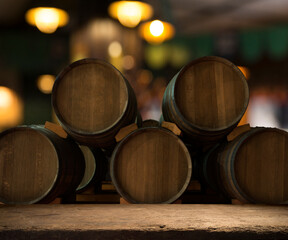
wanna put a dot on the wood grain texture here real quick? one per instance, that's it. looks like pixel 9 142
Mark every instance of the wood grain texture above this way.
pixel 255 165
pixel 92 101
pixel 207 98
pixel 151 165
pixel 144 221
pixel 91 96
pixel 211 93
pixel 37 165
pixel 26 175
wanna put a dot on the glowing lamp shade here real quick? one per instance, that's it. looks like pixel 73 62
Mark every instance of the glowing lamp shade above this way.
pixel 47 19
pixel 130 13
pixel 156 31
pixel 11 108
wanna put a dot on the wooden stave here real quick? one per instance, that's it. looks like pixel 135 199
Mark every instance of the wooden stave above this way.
pixel 126 196
pixel 70 158
pixel 106 137
pixel 192 132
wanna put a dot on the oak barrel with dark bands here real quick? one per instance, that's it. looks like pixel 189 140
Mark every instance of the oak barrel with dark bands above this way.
pixel 208 168
pixel 95 167
pixel 254 166
pixel 151 165
pixel 93 101
pixel 36 165
pixel 206 99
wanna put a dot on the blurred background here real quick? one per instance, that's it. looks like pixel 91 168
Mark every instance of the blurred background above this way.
pixel 253 34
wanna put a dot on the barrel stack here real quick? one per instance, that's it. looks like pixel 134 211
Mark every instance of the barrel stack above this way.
pixel 206 99
pixel 94 103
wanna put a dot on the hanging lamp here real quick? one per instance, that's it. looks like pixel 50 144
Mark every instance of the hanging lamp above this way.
pixel 156 31
pixel 130 13
pixel 46 17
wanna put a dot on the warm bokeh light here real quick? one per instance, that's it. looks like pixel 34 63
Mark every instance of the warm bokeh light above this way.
pixel 130 13
pixel 145 77
pixel 11 108
pixel 45 83
pixel 47 20
pixel 115 49
pixel 156 28
pixel 156 31
pixel 245 71
pixel 5 97
pixel 128 62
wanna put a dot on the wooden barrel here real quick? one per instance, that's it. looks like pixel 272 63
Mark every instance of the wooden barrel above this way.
pixel 93 101
pixel 150 123
pixel 151 165
pixel 254 166
pixel 206 99
pixel 208 168
pixel 36 165
pixel 95 167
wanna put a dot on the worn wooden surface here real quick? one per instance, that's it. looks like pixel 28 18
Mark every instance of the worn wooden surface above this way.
pixel 129 221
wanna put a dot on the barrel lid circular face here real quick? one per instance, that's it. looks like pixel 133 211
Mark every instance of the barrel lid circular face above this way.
pixel 151 165
pixel 28 166
pixel 89 96
pixel 261 165
pixel 211 93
